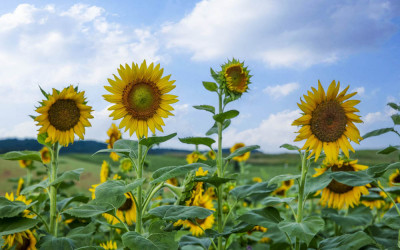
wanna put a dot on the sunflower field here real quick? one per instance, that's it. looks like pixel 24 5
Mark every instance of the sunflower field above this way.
pixel 335 202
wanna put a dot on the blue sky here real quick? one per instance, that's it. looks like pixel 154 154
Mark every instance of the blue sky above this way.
pixel 287 45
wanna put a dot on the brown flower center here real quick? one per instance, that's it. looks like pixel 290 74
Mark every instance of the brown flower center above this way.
pixel 287 183
pixel 141 99
pixel 127 205
pixel 64 114
pixel 200 221
pixel 328 121
pixel 237 78
pixel 281 192
pixel 336 186
pixel 397 179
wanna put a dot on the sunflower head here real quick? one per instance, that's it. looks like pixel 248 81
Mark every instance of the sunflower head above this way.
pixel 46 155
pixel 327 121
pixel 173 181
pixel 104 172
pixel 240 158
pixel 21 240
pixel 236 77
pixel 212 154
pixel 25 163
pixel 62 115
pixel 113 135
pixel 338 195
pixel 140 97
pixel 109 245
pixel 194 157
pixel 394 178
pixel 125 165
pixel 287 183
pixel 257 179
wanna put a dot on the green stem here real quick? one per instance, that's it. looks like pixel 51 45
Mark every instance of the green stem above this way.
pixel 229 213
pixel 53 189
pixel 300 206
pixel 41 218
pixel 28 176
pixel 120 221
pixel 139 207
pixel 220 174
pixel 148 198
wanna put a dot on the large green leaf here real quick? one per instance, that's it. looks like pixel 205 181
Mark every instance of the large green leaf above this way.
pixel 68 175
pixel 377 132
pixel 226 115
pixel 388 150
pixel 285 177
pixel 208 108
pixel 396 119
pixel 305 230
pixel 198 141
pixel 392 218
pixel 136 183
pixel 61 205
pixel 241 151
pixel 378 170
pixel 43 184
pixel 50 242
pixel 265 217
pixel 272 200
pixel 352 178
pixel 213 180
pixel 177 212
pixel 214 128
pixel 314 184
pixel 290 147
pixel 193 241
pixel 16 224
pixel 111 192
pixel 210 86
pixel 150 141
pixel 358 216
pixel 166 173
pixel 93 208
pixel 352 241
pixel 157 241
pixel 22 155
pixel 10 208
pixel 385 236
pixel 244 191
pixel 164 241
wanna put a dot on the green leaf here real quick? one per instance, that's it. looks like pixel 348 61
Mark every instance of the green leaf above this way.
pixel 264 217
pixel 214 75
pixel 396 119
pixel 125 147
pixel 241 151
pixel 42 139
pixel 206 108
pixel 271 200
pixel 378 170
pixel 22 155
pixel 93 208
pixel 226 115
pixel 132 186
pixel 352 178
pixel 358 216
pixel 213 180
pixel 281 178
pixel 194 241
pixel 377 132
pixel 68 175
pixel 135 241
pixel 16 224
pixel 214 128
pixel 388 150
pixel 111 192
pixel 164 241
pixel 394 106
pixel 305 230
pixel 10 208
pixel 198 141
pixel 61 205
pixel 346 242
pixel 244 191
pixel 150 141
pixel 177 212
pixel 392 218
pixel 43 184
pixel 383 235
pixel 166 173
pixel 290 147
pixel 49 242
pixel 210 86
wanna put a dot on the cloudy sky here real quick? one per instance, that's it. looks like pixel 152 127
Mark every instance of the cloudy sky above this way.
pixel 287 45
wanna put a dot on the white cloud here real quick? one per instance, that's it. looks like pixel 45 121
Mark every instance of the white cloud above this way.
pixel 270 134
pixel 282 33
pixel 360 91
pixel 373 117
pixel 22 130
pixel 281 90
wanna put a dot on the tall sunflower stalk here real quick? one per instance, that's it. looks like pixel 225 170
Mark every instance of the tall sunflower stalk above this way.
pixel 62 115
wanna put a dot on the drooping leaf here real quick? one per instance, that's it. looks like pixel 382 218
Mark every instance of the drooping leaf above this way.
pixel 150 141
pixel 194 241
pixel 10 208
pixel 166 173
pixel 177 212
pixel 388 150
pixel 226 115
pixel 135 241
pixel 378 170
pixel 91 209
pixel 241 151
pixel 43 184
pixel 61 205
pixel 206 108
pixel 214 128
pixel 213 180
pixel 198 141
pixel 352 178
pixel 111 192
pixel 305 230
pixel 392 218
pixel 164 241
pixel 358 216
pixel 265 217
pixel 347 242
pixel 244 191
pixel 22 155
pixel 281 178
pixel 49 242
pixel 290 147
pixel 136 183
pixel 210 86
pixel 383 235
pixel 271 200
pixel 377 132
pixel 16 224
pixel 68 175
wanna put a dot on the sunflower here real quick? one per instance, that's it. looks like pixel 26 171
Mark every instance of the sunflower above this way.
pixel 194 157
pixel 378 203
pixel 287 183
pixel 25 163
pixel 236 76
pixel 113 135
pixel 212 154
pixel 211 193
pixel 20 186
pixel 281 191
pixel 173 182
pixel 257 179
pixel 336 194
pixel 328 121
pixel 21 198
pixel 104 172
pixel 240 158
pixel 93 190
pixel 109 245
pixel 125 165
pixel 140 98
pixel 126 212
pixel 63 114
pixel 394 178
pixel 46 155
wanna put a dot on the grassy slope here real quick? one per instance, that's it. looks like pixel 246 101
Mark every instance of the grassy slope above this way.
pixel 264 166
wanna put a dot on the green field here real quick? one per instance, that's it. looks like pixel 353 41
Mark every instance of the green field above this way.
pixel 260 165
